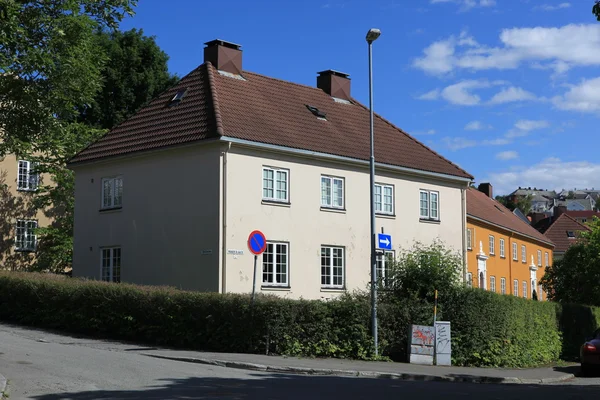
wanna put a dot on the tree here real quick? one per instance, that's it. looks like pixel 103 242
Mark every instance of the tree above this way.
pixel 523 203
pixel 50 66
pixel 137 73
pixel 575 277
pixel 596 10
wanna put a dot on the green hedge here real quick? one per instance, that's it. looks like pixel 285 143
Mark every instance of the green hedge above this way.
pixel 487 329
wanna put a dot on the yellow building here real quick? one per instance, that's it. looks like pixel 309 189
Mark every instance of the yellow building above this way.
pixel 18 217
pixel 504 254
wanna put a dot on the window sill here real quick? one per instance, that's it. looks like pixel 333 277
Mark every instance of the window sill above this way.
pixel 111 209
pixel 276 203
pixel 469 249
pixel 492 254
pixel 276 288
pixel 429 220
pixel 383 215
pixel 333 210
pixel 26 190
pixel 503 257
pixel 333 289
pixel 24 250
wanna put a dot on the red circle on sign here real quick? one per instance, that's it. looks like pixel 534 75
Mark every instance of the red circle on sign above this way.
pixel 257 243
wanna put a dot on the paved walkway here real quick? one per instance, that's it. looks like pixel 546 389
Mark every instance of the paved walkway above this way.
pixel 391 370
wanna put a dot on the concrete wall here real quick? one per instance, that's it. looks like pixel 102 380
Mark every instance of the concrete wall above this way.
pixel 15 204
pixel 506 267
pixel 306 226
pixel 168 226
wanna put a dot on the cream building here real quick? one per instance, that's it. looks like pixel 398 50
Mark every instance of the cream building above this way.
pixel 170 196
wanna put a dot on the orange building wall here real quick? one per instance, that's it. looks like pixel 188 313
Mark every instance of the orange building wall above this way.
pixel 505 267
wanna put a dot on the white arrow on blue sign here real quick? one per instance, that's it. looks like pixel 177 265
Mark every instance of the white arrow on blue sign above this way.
pixel 384 241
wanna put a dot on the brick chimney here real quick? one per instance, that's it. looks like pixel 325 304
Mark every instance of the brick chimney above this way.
pixel 224 56
pixel 487 189
pixel 334 83
pixel 559 210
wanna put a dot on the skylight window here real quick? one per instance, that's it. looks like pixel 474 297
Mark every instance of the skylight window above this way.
pixel 570 234
pixel 316 112
pixel 178 97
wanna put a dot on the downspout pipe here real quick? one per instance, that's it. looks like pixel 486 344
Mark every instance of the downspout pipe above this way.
pixel 224 219
pixel 463 200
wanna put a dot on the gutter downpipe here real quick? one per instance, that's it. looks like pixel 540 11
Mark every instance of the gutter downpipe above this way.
pixel 464 232
pixel 224 220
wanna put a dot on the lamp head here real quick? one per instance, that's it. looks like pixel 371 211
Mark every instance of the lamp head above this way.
pixel 373 34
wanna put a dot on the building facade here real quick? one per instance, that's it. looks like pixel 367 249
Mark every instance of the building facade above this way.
pixel 256 153
pixel 504 254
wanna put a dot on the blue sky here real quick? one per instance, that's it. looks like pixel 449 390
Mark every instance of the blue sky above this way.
pixel 507 89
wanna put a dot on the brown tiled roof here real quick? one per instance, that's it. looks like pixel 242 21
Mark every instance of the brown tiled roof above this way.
pixel 557 232
pixel 583 214
pixel 480 206
pixel 266 110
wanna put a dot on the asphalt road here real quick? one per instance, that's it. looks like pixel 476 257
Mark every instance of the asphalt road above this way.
pixel 40 365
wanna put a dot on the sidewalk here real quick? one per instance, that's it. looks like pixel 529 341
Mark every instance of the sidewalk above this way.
pixel 390 370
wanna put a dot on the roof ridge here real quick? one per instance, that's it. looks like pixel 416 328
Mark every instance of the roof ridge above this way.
pixel 412 138
pixel 212 88
pixel 282 80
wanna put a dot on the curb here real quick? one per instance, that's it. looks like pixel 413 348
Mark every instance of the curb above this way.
pixel 365 374
pixel 2 386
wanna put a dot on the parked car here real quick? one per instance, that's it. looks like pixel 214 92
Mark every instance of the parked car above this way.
pixel 589 354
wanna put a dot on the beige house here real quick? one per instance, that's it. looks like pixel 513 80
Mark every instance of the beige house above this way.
pixel 18 217
pixel 170 196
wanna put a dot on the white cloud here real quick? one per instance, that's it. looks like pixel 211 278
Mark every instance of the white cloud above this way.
pixel 423 133
pixel 460 94
pixel 558 48
pixel 474 126
pixel 507 155
pixel 512 94
pixel 431 95
pixel 584 97
pixel 466 5
pixel 457 143
pixel 551 173
pixel 496 142
pixel 548 7
pixel 524 126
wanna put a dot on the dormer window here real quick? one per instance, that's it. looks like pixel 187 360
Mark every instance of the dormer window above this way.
pixel 178 97
pixel 316 112
pixel 571 234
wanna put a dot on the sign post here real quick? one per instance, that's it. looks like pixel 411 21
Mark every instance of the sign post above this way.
pixel 257 244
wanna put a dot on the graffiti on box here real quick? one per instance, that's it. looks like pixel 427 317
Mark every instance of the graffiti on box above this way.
pixel 422 335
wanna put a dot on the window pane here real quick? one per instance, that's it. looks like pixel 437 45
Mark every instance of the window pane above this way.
pixel 469 239
pixel 424 205
pixel 116 265
pixel 378 205
pixel 118 201
pixel 516 288
pixel 388 200
pixel 434 205
pixel 501 247
pixel 268 264
pixel 492 250
pixel 281 263
pixel 325 191
pixel 523 254
pixel 268 185
pixel 23 175
pixel 106 264
pixel 524 289
pixel 338 267
pixel 107 193
pixel 281 193
pixel 325 266
pixel 338 193
pixel 515 256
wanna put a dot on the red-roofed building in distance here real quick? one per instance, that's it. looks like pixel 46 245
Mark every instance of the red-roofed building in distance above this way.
pixel 169 196
pixel 505 254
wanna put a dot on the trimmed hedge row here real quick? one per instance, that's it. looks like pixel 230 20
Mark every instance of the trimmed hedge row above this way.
pixel 487 329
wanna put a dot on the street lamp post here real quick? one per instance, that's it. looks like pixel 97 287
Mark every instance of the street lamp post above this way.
pixel 372 35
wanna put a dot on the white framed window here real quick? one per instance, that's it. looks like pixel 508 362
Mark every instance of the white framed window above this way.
pixel 25 238
pixel 429 204
pixel 492 284
pixel 523 253
pixel 470 279
pixel 546 259
pixel 515 252
pixel 492 245
pixel 384 199
pixel 502 250
pixel 539 257
pixel 524 289
pixel 276 184
pixel 503 285
pixel 385 260
pixel 110 259
pixel 583 220
pixel 27 178
pixel 276 264
pixel 332 267
pixel 112 192
pixel 469 239
pixel 516 288
pixel 332 192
